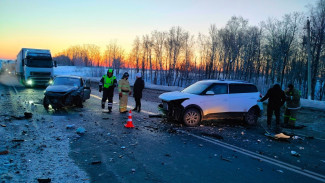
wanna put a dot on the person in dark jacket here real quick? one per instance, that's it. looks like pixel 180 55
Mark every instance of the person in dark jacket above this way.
pixel 137 92
pixel 276 98
pixel 107 84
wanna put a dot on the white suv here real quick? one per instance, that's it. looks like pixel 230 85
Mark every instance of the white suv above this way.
pixel 213 99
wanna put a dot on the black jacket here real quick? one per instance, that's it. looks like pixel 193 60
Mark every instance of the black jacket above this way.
pixel 275 95
pixel 137 88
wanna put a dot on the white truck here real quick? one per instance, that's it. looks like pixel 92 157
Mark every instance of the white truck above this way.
pixel 35 67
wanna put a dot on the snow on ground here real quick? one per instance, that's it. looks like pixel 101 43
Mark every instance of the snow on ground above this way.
pixel 313 104
pixel 90 73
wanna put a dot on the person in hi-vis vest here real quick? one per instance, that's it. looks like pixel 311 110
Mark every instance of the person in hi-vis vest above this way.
pixel 124 90
pixel 292 107
pixel 107 84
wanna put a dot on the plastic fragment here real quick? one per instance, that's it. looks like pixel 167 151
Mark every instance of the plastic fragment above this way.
pixel 280 171
pixel 81 130
pixel 70 126
pixel 294 153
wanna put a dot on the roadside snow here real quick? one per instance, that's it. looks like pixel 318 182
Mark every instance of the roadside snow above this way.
pixel 313 104
pixel 88 72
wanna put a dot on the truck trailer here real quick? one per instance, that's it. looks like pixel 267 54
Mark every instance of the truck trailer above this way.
pixel 34 67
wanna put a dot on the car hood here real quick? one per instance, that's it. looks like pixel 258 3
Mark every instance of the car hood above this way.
pixel 176 95
pixel 61 88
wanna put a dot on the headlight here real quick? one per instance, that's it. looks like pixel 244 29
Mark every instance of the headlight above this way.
pixel 29 82
pixel 51 82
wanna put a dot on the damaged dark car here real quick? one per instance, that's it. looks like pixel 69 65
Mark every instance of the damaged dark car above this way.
pixel 66 91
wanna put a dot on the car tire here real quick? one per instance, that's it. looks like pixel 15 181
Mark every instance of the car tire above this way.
pixel 251 116
pixel 46 103
pixel 192 117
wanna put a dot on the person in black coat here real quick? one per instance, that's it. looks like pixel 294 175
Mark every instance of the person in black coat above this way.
pixel 276 98
pixel 137 92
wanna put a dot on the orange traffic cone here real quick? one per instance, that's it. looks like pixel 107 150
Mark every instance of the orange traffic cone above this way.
pixel 129 124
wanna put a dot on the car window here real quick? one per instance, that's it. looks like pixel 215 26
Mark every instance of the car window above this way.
pixel 242 88
pixel 196 88
pixel 219 89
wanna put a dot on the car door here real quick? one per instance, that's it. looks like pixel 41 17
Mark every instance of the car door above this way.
pixel 87 89
pixel 242 97
pixel 215 99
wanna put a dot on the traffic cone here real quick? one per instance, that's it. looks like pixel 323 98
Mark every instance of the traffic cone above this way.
pixel 129 124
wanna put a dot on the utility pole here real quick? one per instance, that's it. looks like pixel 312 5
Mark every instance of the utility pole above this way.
pixel 309 59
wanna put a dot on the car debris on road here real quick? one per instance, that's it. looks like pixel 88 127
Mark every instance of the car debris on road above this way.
pixel 294 153
pixel 81 130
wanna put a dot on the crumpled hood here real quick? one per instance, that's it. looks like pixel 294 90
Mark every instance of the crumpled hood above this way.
pixel 61 88
pixel 176 95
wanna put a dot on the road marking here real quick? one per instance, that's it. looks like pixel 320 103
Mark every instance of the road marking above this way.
pixel 144 111
pixel 281 164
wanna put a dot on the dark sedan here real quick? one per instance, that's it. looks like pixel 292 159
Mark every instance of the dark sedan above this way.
pixel 66 91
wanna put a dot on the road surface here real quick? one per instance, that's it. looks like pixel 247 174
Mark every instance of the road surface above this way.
pixel 154 151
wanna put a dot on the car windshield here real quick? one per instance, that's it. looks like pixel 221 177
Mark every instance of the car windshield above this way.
pixel 196 88
pixel 67 81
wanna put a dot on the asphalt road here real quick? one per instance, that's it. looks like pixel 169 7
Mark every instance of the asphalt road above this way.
pixel 154 151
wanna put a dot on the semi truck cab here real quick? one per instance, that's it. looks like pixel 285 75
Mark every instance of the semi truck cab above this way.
pixel 35 67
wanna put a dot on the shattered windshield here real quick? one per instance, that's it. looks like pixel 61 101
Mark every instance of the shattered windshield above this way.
pixel 196 88
pixel 67 81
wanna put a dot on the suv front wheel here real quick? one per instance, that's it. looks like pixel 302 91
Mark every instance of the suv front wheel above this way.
pixel 192 117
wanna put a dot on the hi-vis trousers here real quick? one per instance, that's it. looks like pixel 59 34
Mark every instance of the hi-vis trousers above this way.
pixel 290 116
pixel 124 101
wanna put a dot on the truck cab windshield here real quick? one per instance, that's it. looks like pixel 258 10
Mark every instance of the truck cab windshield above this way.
pixel 39 63
pixel 43 60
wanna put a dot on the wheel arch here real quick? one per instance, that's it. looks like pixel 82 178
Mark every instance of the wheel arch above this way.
pixel 196 107
pixel 257 110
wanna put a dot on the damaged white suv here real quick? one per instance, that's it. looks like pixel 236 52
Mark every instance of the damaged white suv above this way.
pixel 213 99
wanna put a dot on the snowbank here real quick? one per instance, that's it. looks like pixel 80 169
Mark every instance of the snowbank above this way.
pixel 90 73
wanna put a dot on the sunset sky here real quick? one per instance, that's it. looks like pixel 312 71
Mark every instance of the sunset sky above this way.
pixel 59 24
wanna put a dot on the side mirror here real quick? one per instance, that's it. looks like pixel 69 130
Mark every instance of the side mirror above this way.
pixel 55 64
pixel 209 93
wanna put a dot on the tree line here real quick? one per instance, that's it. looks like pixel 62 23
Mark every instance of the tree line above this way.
pixel 272 52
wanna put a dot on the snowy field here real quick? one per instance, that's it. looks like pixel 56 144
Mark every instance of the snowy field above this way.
pixel 90 73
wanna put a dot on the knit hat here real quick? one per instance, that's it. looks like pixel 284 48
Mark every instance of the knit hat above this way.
pixel 138 75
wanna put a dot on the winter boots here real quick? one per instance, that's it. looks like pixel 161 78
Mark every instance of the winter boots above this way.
pixel 138 109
